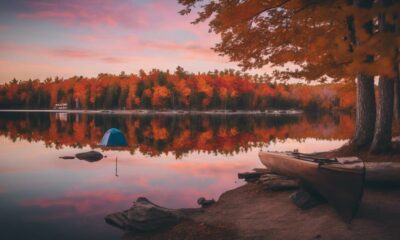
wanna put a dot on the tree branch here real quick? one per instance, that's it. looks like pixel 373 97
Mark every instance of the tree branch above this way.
pixel 269 8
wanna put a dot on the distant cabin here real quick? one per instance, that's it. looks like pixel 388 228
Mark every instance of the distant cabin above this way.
pixel 60 106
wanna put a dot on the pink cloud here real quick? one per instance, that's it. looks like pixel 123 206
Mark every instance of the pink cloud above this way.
pixel 92 13
pixel 129 42
pixel 111 53
pixel 59 52
pixel 117 60
pixel 148 16
pixel 86 38
pixel 185 48
pixel 152 15
pixel 188 50
pixel 73 53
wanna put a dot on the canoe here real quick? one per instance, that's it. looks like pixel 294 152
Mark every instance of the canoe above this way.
pixel 339 181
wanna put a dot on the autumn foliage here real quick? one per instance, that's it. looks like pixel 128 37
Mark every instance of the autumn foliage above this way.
pixel 179 90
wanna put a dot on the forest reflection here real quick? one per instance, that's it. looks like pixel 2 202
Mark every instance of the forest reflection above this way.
pixel 154 135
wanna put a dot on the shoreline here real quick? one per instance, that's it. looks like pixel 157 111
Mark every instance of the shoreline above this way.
pixel 252 212
pixel 249 212
pixel 290 112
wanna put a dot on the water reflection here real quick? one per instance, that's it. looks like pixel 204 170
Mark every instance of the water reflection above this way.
pixel 44 197
pixel 155 135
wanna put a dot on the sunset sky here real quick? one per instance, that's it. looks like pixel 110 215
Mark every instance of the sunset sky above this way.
pixel 47 38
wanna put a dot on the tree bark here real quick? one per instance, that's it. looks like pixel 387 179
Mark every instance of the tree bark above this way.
pixel 396 29
pixel 383 129
pixel 397 98
pixel 366 108
pixel 366 112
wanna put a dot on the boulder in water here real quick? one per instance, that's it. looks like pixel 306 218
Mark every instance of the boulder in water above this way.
pixel 91 156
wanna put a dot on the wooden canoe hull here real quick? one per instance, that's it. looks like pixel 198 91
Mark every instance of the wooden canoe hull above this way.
pixel 342 187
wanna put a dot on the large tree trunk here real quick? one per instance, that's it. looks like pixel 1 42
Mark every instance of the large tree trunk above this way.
pixel 383 129
pixel 366 112
pixel 397 86
pixel 397 98
pixel 366 108
pixel 396 29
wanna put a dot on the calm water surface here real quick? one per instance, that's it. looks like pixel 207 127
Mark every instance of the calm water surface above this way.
pixel 170 160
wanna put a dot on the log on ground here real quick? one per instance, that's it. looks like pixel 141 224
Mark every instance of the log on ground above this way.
pixel 382 174
pixel 250 176
pixel 276 182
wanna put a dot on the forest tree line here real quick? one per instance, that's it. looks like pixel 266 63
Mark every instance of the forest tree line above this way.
pixel 178 90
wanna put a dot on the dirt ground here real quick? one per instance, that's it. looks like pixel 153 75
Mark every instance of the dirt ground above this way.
pixel 248 212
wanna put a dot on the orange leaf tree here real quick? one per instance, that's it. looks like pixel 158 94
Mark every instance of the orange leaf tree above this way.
pixel 336 39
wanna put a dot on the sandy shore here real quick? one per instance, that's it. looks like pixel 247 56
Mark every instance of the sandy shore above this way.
pixel 248 212
pixel 163 112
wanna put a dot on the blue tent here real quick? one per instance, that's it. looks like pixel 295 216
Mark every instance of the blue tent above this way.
pixel 113 138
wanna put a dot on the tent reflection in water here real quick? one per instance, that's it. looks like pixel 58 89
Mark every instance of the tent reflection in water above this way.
pixel 114 138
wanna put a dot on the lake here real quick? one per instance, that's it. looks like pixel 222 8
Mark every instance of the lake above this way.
pixel 171 160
